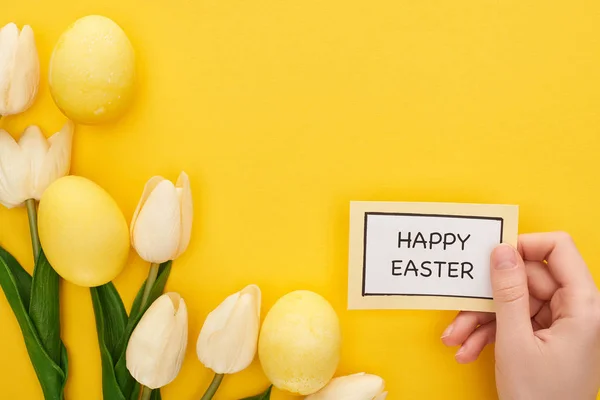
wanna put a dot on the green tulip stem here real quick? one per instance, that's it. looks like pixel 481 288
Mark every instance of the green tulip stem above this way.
pixel 146 393
pixel 152 274
pixel 33 228
pixel 214 385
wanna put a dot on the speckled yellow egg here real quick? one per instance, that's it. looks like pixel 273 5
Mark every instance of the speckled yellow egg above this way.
pixel 92 71
pixel 299 344
pixel 82 231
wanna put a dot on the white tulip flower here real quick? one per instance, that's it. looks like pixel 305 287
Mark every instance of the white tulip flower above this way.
pixel 228 340
pixel 28 167
pixel 162 223
pixel 19 69
pixel 352 387
pixel 157 345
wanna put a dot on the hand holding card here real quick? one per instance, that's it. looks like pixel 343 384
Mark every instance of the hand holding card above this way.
pixel 546 325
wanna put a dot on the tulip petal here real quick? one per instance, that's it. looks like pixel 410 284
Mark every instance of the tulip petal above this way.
pixel 9 42
pixel 184 193
pixel 382 396
pixel 156 349
pixel 25 74
pixel 56 162
pixel 254 290
pixel 158 225
pixel 148 188
pixel 14 172
pixel 174 353
pixel 34 146
pixel 352 387
pixel 228 340
pixel 217 319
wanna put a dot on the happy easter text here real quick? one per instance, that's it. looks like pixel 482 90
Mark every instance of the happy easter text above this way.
pixel 432 241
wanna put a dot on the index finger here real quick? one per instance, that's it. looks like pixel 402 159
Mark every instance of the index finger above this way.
pixel 560 252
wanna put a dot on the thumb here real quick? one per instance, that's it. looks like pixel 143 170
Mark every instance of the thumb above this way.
pixel 511 295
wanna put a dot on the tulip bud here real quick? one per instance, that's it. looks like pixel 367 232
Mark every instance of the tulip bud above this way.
pixel 28 167
pixel 157 346
pixel 352 387
pixel 19 69
pixel 228 340
pixel 162 223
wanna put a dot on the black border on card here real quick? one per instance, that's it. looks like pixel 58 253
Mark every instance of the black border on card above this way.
pixel 366 218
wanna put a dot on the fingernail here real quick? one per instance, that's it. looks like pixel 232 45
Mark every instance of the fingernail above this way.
pixel 504 257
pixel 448 331
pixel 460 351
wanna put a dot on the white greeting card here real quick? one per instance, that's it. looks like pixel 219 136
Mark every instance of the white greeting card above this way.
pixel 425 255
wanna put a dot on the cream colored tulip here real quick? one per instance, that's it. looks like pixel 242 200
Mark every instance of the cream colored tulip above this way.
pixel 352 387
pixel 19 69
pixel 157 346
pixel 28 167
pixel 228 340
pixel 162 223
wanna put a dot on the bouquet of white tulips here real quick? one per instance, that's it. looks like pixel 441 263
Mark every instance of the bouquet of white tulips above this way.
pixel 79 234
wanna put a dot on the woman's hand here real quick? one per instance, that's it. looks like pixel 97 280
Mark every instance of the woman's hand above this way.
pixel 547 322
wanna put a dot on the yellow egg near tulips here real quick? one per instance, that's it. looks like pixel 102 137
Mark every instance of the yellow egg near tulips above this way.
pixel 82 231
pixel 92 71
pixel 299 344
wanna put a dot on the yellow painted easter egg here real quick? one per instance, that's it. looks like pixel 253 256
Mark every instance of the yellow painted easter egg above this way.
pixel 82 231
pixel 299 344
pixel 92 71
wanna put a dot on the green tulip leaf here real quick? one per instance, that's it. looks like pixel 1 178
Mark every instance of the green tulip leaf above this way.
pixel 135 392
pixel 115 316
pixel 64 365
pixel 266 395
pixel 17 286
pixel 44 307
pixel 111 318
pixel 20 275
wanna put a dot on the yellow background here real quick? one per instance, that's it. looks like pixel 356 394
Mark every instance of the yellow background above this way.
pixel 282 112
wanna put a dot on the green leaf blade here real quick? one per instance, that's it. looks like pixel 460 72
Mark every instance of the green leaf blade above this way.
pixel 21 277
pixel 44 307
pixel 51 376
pixel 100 297
pixel 114 317
pixel 64 366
